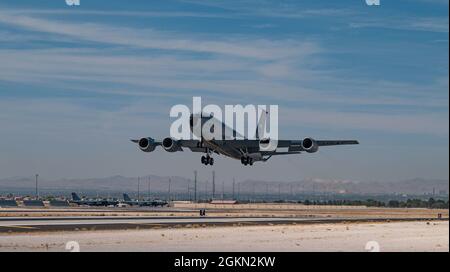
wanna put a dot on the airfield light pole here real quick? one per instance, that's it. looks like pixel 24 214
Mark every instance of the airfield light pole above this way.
pixel 195 185
pixel 279 191
pixel 234 186
pixel 37 191
pixel 213 184
pixel 292 191
pixel 253 193
pixel 170 181
pixel 239 191
pixel 148 188
pixel 189 190
pixel 139 192
pixel 206 190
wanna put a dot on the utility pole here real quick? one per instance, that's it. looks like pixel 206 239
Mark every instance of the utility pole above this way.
pixel 234 185
pixel 253 193
pixel 148 188
pixel 213 184
pixel 195 185
pixel 206 190
pixel 189 190
pixel 139 189
pixel 170 181
pixel 279 191
pixel 37 191
pixel 223 190
pixel 239 191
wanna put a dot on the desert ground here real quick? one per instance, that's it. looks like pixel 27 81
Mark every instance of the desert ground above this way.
pixel 418 229
pixel 399 236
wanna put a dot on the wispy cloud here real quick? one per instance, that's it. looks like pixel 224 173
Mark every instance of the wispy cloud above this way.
pixel 117 13
pixel 231 66
pixel 431 24
pixel 271 9
pixel 152 39
pixel 93 70
pixel 424 124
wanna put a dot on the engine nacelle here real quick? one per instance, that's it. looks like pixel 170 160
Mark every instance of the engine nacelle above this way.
pixel 171 145
pixel 147 144
pixel 310 145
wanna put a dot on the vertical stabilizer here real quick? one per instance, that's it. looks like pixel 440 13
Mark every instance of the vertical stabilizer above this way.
pixel 75 197
pixel 126 197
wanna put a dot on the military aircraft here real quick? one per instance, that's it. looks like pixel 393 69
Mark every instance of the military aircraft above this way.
pixel 92 202
pixel 247 151
pixel 153 203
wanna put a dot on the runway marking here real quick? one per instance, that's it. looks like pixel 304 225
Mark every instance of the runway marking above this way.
pixel 19 227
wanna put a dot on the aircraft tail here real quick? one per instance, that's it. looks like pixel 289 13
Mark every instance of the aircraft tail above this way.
pixel 126 197
pixel 75 197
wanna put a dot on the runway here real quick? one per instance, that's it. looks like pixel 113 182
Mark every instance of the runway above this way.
pixel 94 210
pixel 84 223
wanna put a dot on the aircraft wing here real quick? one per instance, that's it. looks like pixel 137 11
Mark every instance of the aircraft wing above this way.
pixel 193 144
pixel 283 143
pixel 336 142
pixel 294 146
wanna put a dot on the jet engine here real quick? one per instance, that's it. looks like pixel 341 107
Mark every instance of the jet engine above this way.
pixel 310 145
pixel 171 145
pixel 147 144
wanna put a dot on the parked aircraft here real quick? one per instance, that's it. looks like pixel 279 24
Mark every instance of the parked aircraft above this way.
pixel 153 203
pixel 92 202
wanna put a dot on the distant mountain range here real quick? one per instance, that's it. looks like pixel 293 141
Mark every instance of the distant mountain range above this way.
pixel 418 186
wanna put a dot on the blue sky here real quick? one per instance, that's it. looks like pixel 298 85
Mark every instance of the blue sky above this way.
pixel 77 82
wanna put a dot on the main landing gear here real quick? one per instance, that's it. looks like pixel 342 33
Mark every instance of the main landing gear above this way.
pixel 207 160
pixel 246 161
